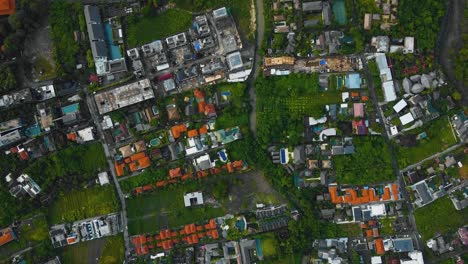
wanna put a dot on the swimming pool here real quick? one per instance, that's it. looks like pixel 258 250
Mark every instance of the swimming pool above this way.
pixel 33 131
pixel 114 50
pixel 222 156
pixel 69 109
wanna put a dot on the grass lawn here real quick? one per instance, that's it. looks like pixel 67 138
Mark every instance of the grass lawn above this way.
pixel 350 230
pixel 241 10
pixel 45 66
pixel 84 252
pixel 439 217
pixel 152 28
pixel 82 204
pixel 439 138
pixel 150 213
pixel 387 226
pixel 114 251
pixel 269 245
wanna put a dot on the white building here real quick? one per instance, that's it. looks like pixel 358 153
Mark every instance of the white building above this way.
pixel 193 199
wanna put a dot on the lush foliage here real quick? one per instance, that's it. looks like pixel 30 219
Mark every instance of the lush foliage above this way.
pixel 64 21
pixel 420 19
pixel 153 27
pixel 152 212
pixel 282 103
pixel 83 203
pixel 439 137
pixel 439 217
pixel 7 79
pixel 370 164
pixel 149 176
pixel 461 59
pixel 114 251
pixel 241 9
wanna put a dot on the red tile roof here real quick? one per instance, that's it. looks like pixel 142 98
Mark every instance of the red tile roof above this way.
pixel 177 130
pixel 7 235
pixel 7 7
pixel 379 246
pixel 192 133
pixel 175 173
pixel 203 130
pixel 210 109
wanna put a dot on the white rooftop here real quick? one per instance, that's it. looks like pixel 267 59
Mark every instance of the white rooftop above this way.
pixel 393 130
pixel 406 119
pixel 389 91
pixel 376 260
pixel 86 134
pixel 400 105
pixel 377 209
pixel 194 198
pixel 103 178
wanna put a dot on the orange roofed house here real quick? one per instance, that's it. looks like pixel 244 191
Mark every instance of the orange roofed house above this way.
pixel 6 236
pixel 7 7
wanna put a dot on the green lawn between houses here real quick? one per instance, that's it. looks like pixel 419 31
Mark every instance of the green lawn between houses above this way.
pixel 439 217
pixel 108 250
pixel 82 204
pixel 148 29
pixel 439 137
pixel 240 9
pixel 165 208
pixel 114 251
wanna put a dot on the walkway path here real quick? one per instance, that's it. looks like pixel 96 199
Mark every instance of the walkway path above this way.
pixel 257 60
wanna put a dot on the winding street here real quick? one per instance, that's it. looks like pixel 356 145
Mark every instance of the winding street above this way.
pixel 257 61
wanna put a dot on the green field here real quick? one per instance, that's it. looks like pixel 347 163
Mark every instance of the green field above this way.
pixel 88 252
pixel 439 137
pixel 152 212
pixel 439 217
pixel 371 163
pixel 114 251
pixel 82 204
pixel 269 245
pixel 33 234
pixel 151 28
pixel 241 10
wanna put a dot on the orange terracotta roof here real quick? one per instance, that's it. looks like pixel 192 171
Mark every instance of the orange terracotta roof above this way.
pixel 230 168
pixel 199 228
pixel 127 160
pixel 178 129
pixel 238 164
pixel 386 195
pixel 172 181
pixel 137 156
pixel 70 136
pixel 201 107
pixel 365 98
pixel 186 176
pixel 363 225
pixel 148 187
pixel 199 94
pixel 138 190
pixel 161 183
pixel 133 167
pixel 333 195
pixel 119 169
pixel 144 162
pixel 354 94
pixel 210 109
pixel 379 246
pixel 203 130
pixel 395 191
pixel 175 173
pixel 192 133
pixel 369 233
pixel 7 7
pixel 200 235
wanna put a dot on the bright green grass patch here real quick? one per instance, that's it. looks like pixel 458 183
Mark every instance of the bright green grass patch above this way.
pixel 148 29
pixel 269 245
pixel 439 137
pixel 240 9
pixel 350 230
pixel 45 66
pixel 150 213
pixel 114 251
pixel 82 204
pixel 439 217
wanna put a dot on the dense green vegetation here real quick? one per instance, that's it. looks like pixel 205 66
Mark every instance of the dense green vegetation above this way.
pixel 142 30
pixel 461 58
pixel 241 9
pixel 7 79
pixel 282 103
pixel 75 162
pixel 439 137
pixel 114 251
pixel 85 203
pixel 152 212
pixel 149 176
pixel 433 218
pixel 370 164
pixel 420 19
pixel 64 21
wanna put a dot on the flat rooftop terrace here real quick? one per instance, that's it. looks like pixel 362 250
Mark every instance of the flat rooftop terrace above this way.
pixel 124 96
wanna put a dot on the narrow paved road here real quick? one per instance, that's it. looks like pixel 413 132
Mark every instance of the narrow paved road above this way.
pixel 257 60
pixel 95 115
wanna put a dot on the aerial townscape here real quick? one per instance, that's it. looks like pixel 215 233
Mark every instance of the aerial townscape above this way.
pixel 234 131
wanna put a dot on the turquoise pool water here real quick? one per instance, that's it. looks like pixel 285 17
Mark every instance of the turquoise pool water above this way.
pixel 114 50
pixel 73 108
